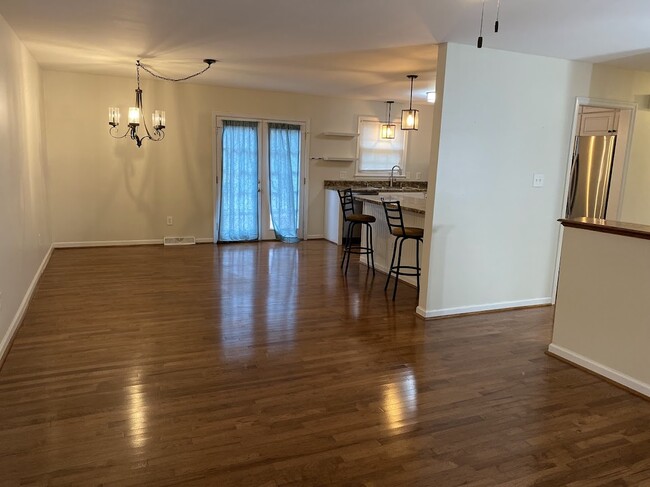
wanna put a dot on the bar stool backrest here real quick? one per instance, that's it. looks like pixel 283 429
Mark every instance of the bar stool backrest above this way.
pixel 347 202
pixel 394 217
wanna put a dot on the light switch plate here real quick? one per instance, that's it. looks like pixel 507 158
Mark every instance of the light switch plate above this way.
pixel 538 180
pixel 343 174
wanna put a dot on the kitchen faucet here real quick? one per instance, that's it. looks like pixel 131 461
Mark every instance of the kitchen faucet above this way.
pixel 392 175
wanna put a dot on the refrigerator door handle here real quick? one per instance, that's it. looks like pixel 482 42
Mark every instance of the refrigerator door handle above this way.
pixel 573 186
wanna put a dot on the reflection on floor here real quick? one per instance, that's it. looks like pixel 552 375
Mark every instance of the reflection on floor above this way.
pixel 260 364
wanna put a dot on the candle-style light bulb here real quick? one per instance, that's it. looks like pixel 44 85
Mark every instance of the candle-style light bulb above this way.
pixel 158 119
pixel 134 116
pixel 113 116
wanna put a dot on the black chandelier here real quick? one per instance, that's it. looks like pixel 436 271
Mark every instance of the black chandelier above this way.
pixel 136 113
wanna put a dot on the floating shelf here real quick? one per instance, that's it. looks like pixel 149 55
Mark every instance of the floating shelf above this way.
pixel 349 135
pixel 335 159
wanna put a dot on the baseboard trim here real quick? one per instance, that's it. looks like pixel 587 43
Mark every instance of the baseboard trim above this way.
pixel 107 243
pixel 600 370
pixel 315 237
pixel 481 308
pixel 203 240
pixel 8 339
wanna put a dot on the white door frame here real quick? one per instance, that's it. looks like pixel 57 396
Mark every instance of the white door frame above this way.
pixel 216 166
pixel 575 129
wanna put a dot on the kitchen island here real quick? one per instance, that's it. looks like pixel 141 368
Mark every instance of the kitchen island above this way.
pixel 334 230
pixel 413 207
pixel 602 314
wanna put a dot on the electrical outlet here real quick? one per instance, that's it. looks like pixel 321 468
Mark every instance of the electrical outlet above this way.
pixel 418 175
pixel 343 174
pixel 408 175
pixel 170 220
pixel 538 180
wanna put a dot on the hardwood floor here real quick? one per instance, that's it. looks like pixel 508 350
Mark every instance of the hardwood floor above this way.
pixel 260 364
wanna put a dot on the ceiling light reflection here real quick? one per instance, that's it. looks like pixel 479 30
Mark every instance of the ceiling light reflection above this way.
pixel 400 400
pixel 137 413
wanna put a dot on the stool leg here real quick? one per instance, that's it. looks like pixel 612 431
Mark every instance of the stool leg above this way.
pixel 352 224
pixel 345 244
pixel 392 262
pixel 372 249
pixel 346 247
pixel 399 263
pixel 417 261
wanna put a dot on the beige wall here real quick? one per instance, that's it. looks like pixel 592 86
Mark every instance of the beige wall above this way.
pixel 602 313
pixel 109 190
pixel 492 240
pixel 611 83
pixel 23 204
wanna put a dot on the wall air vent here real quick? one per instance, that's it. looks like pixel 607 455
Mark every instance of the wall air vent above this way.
pixel 179 241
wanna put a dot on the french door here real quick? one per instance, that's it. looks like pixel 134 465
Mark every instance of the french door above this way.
pixel 259 180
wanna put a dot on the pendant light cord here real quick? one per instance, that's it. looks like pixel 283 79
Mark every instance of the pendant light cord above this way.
pixel 209 63
pixel 479 43
pixel 496 22
pixel 411 99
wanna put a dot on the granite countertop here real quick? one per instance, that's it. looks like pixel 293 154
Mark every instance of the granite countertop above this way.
pixel 607 226
pixel 408 203
pixel 373 186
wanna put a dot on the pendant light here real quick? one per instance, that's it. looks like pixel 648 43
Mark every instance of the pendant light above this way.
pixel 387 130
pixel 410 117
pixel 479 42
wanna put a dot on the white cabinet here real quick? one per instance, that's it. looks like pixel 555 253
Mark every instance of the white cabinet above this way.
pixel 333 217
pixel 603 122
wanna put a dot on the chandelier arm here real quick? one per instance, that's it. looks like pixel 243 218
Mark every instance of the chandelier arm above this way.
pixel 209 63
pixel 110 131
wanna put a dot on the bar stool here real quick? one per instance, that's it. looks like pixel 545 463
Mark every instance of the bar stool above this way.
pixel 396 227
pixel 353 219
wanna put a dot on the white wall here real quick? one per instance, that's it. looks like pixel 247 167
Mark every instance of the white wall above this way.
pixel 612 83
pixel 109 190
pixel 493 238
pixel 23 204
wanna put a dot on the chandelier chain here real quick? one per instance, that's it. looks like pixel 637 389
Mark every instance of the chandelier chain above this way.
pixel 185 78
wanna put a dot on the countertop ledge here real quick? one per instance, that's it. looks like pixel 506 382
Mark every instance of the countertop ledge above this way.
pixel 608 226
pixel 415 205
pixel 376 184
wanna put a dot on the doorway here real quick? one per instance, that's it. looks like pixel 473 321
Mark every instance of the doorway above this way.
pixel 599 122
pixel 259 179
pixel 604 119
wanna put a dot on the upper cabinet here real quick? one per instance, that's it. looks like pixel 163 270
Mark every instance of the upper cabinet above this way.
pixel 598 121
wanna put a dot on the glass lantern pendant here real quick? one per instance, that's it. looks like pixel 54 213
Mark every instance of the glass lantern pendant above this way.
pixel 411 117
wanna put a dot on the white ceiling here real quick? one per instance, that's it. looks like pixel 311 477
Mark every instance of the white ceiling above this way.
pixel 358 48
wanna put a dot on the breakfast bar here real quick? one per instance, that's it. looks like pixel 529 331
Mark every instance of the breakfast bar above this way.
pixel 602 315
pixel 413 207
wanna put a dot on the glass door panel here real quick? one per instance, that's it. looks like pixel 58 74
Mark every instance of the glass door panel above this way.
pixel 284 153
pixel 240 201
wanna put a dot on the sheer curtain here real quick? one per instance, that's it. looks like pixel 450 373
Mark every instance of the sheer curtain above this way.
pixel 238 217
pixel 284 180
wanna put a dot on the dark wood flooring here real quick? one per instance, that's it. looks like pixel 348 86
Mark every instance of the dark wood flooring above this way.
pixel 261 365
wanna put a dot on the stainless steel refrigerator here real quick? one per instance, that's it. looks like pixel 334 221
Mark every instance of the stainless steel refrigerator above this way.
pixel 591 172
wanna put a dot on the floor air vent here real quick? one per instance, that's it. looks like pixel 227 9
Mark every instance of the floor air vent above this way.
pixel 179 241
